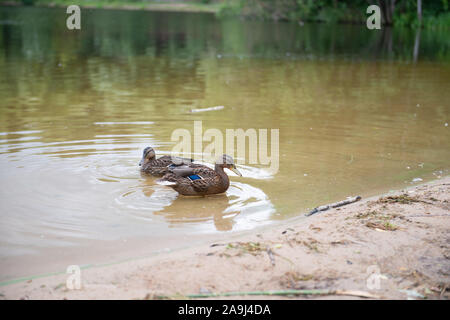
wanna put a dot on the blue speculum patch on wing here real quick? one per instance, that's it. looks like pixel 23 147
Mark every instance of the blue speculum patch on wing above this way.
pixel 194 177
pixel 171 166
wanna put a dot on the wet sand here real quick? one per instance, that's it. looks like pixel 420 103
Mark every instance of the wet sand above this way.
pixel 394 246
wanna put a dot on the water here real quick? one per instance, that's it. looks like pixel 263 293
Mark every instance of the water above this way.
pixel 359 112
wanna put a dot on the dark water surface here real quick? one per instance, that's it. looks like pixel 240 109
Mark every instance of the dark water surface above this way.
pixel 358 111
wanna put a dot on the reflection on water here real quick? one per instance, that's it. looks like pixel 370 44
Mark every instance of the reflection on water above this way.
pixel 358 112
pixel 242 207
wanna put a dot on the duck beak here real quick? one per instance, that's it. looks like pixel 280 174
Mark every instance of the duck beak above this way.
pixel 235 170
pixel 140 162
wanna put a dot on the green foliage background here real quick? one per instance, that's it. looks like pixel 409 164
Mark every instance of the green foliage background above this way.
pixel 435 13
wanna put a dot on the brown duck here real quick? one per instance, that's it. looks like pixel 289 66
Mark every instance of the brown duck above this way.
pixel 200 180
pixel 159 167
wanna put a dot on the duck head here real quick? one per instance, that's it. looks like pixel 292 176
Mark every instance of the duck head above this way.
pixel 227 162
pixel 147 155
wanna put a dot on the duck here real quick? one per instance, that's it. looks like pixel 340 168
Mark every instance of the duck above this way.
pixel 200 180
pixel 160 166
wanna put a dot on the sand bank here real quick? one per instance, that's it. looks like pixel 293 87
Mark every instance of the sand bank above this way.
pixel 393 246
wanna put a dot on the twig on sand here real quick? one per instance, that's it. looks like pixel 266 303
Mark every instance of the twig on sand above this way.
pixel 217 244
pixel 355 293
pixel 334 205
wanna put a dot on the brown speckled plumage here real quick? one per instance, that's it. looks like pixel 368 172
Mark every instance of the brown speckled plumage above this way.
pixel 159 167
pixel 210 181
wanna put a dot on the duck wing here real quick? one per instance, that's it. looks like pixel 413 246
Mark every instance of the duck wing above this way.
pixel 178 161
pixel 182 171
pixel 201 185
pixel 193 169
pixel 203 171
pixel 165 161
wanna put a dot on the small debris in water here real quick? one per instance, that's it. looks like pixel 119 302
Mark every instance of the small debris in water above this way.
pixel 417 180
pixel 208 109
pixel 446 124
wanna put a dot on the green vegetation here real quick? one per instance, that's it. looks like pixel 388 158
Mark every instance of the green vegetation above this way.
pixel 396 12
pixel 411 13
pixel 387 226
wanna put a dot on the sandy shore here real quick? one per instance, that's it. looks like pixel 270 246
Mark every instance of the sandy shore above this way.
pixel 395 246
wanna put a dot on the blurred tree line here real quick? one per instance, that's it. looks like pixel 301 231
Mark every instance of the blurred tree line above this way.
pixel 398 12
pixel 433 13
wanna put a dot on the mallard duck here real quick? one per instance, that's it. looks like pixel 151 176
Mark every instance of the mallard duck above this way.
pixel 159 167
pixel 200 180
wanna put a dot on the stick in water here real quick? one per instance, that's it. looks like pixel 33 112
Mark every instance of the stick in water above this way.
pixel 334 205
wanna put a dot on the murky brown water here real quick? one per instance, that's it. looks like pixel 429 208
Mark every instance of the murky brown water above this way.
pixel 358 112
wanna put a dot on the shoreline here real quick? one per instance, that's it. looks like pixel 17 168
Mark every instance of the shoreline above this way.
pixel 155 7
pixel 402 237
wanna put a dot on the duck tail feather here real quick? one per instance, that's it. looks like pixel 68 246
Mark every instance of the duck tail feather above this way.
pixel 166 182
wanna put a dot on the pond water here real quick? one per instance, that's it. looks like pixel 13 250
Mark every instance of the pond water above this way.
pixel 358 112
